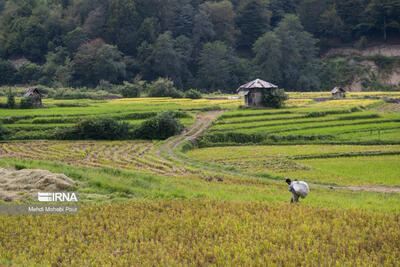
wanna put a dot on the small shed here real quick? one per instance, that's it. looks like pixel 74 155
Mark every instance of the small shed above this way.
pixel 252 91
pixel 338 92
pixel 35 95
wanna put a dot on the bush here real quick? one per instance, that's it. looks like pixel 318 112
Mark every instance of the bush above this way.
pixel 105 128
pixel 193 94
pixel 163 88
pixel 160 127
pixel 274 98
pixel 3 132
pixel 104 86
pixel 10 99
pixel 131 90
pixel 26 103
pixel 81 93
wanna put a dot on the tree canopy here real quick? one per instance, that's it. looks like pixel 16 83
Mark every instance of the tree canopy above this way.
pixel 204 44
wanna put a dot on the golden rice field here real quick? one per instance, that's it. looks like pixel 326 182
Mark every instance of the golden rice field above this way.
pixel 203 233
pixel 340 103
pixel 348 94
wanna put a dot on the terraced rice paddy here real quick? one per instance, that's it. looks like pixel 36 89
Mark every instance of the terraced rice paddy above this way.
pixel 42 123
pixel 164 203
pixel 342 121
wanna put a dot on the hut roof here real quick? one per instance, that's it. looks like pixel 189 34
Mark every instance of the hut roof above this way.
pixel 32 91
pixel 338 89
pixel 257 83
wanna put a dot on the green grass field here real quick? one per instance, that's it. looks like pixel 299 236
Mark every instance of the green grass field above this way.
pixel 331 164
pixel 222 202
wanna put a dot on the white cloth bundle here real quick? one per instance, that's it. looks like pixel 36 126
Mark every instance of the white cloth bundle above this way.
pixel 300 188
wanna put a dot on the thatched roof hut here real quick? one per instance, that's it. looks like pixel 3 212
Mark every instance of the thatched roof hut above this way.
pixel 338 92
pixel 252 91
pixel 35 96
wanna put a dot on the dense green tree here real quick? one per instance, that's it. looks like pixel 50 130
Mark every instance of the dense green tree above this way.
pixel 54 61
pixel 222 17
pixel 123 21
pixel 74 39
pixel 216 63
pixel 145 60
pixel 95 61
pixel 95 22
pixel 171 38
pixel 382 15
pixel 148 30
pixel 287 55
pixel 203 29
pixel 7 72
pixel 268 57
pixel 183 24
pixel 170 57
pixel 28 73
pixel 253 20
pixel 280 8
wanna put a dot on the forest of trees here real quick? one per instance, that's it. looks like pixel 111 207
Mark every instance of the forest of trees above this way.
pixel 211 45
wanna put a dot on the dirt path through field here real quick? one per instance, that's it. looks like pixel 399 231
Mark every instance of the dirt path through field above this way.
pixel 367 188
pixel 203 121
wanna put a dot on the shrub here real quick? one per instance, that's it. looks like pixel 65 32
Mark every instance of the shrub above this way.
pixel 193 94
pixel 26 103
pixel 104 86
pixel 131 90
pixel 274 98
pixel 10 99
pixel 163 88
pixel 3 132
pixel 160 127
pixel 105 128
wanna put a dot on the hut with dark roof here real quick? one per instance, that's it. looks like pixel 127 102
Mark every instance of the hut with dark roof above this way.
pixel 252 91
pixel 35 96
pixel 338 92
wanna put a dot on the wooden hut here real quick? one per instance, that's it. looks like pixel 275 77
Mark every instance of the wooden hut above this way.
pixel 35 96
pixel 338 92
pixel 252 91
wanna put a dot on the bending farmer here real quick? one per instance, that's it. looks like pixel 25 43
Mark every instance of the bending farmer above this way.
pixel 298 189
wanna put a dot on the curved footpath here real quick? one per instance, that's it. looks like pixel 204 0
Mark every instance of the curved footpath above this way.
pixel 168 151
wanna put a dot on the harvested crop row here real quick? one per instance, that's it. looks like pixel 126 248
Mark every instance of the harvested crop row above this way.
pixel 125 155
